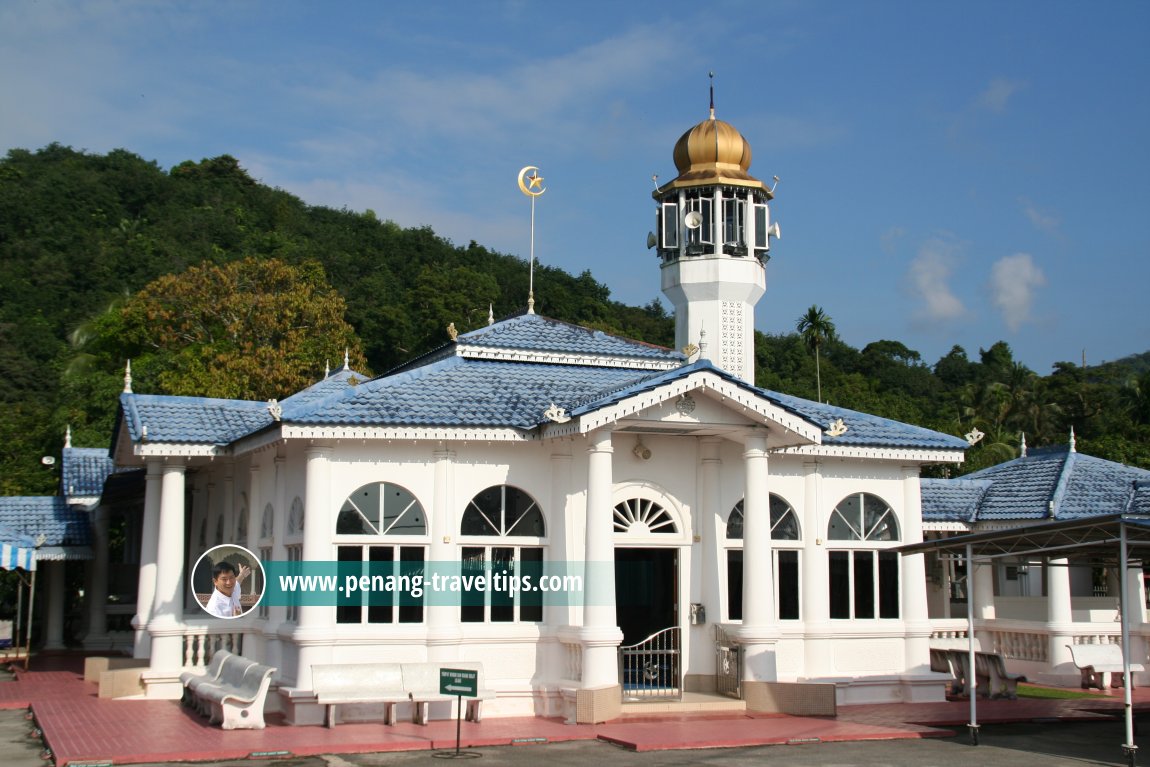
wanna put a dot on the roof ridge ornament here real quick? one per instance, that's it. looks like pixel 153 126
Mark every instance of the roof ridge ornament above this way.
pixel 837 428
pixel 490 315
pixel 451 331
pixel 711 75
pixel 68 436
pixel 974 436
pixel 128 378
pixel 1022 446
pixel 326 368
pixel 1073 442
pixel 556 414
pixel 346 358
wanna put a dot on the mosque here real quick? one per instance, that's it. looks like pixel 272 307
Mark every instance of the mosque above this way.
pixel 730 538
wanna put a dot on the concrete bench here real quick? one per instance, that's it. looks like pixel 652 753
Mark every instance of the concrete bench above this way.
pixel 421 680
pixel 1000 683
pixel 192 679
pixel 389 684
pixel 1095 661
pixel 348 683
pixel 234 697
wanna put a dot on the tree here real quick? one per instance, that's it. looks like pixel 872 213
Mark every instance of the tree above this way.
pixel 251 329
pixel 816 328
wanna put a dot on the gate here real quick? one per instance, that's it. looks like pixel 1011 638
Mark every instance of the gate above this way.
pixel 652 669
pixel 728 665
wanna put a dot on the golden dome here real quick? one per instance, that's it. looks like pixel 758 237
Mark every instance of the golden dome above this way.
pixel 713 152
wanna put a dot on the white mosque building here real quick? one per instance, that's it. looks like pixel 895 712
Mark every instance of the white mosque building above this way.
pixel 750 532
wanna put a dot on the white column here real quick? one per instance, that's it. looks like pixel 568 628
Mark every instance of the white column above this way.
pixel 710 529
pixel 149 544
pixel 97 596
pixel 313 632
pixel 818 647
pixel 982 592
pixel 443 631
pixel 558 532
pixel 1059 615
pixel 759 631
pixel 54 612
pixel 166 623
pixel 600 634
pixel 228 504
pixel 915 613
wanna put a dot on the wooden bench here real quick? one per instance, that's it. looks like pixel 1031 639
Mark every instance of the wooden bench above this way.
pixel 389 684
pixel 234 699
pixel 346 683
pixel 1095 661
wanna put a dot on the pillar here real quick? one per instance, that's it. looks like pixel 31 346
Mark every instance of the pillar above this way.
pixel 443 631
pixel 97 596
pixel 1059 614
pixel 149 543
pixel 314 623
pixel 982 592
pixel 759 632
pixel 166 622
pixel 600 634
pixel 915 612
pixel 54 609
pixel 819 634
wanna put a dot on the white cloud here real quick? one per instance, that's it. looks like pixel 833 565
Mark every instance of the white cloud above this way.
pixel 929 277
pixel 1041 220
pixel 996 95
pixel 1013 281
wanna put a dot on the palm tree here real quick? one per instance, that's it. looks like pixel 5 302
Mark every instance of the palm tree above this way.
pixel 816 328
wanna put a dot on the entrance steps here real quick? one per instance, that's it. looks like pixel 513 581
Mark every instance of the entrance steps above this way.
pixel 692 703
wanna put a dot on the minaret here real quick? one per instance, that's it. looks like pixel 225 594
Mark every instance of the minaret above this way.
pixel 714 229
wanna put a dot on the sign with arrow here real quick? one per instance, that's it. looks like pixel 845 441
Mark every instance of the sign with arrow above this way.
pixel 459 682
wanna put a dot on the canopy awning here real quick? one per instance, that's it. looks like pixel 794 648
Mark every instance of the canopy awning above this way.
pixel 16 551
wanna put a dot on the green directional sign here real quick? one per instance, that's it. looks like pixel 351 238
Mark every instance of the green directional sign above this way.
pixel 458 681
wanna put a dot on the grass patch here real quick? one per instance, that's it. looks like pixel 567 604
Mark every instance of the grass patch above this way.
pixel 1055 693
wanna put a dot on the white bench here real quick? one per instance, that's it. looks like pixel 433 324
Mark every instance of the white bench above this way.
pixel 422 681
pixel 234 699
pixel 346 683
pixel 192 679
pixel 391 683
pixel 1095 661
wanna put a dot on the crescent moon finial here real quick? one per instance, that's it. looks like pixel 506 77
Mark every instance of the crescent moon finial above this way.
pixel 532 185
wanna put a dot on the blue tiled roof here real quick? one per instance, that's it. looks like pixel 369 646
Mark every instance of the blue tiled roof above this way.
pixel 536 333
pixel 196 420
pixel 459 392
pixel 61 524
pixel 335 384
pixel 84 470
pixel 1051 483
pixel 1140 500
pixel 952 500
pixel 864 429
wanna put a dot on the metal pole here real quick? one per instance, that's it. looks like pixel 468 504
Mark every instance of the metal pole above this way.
pixel 1128 748
pixel 531 268
pixel 28 636
pixel 972 677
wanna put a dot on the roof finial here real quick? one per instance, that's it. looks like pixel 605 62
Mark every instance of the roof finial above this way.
pixel 1073 444
pixel 1022 446
pixel 68 436
pixel 326 368
pixel 712 76
pixel 490 314
pixel 702 344
pixel 346 358
pixel 128 378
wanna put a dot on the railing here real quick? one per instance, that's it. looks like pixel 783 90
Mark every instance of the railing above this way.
pixel 652 669
pixel 200 644
pixel 728 665
pixel 573 661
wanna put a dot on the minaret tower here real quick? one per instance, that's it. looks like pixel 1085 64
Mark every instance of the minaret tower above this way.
pixel 714 230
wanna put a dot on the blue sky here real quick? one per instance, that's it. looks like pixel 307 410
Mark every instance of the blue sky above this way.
pixel 951 173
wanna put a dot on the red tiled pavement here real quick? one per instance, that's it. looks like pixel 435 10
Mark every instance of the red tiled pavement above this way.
pixel 79 726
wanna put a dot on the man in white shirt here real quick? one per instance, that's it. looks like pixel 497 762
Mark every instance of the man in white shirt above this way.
pixel 225 599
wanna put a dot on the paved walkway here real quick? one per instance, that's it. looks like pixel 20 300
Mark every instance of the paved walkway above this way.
pixel 78 726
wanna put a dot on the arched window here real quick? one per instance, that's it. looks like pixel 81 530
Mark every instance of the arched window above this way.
pixel 381 508
pixel 862 517
pixel 640 515
pixel 785 531
pixel 864 578
pixel 389 510
pixel 505 512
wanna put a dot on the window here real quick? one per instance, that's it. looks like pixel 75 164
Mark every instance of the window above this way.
pixel 784 528
pixel 863 582
pixel 505 512
pixel 639 515
pixel 699 235
pixel 734 224
pixel 294 554
pixel 762 225
pixel 669 215
pixel 381 508
pixel 378 605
